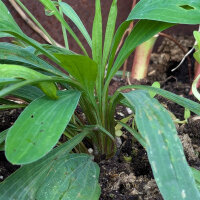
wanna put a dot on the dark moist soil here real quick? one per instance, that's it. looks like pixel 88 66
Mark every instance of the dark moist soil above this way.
pixel 133 179
pixel 128 176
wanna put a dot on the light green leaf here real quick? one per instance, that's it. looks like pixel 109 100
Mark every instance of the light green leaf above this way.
pixel 97 34
pixel 168 11
pixel 186 103
pixel 39 127
pixel 21 72
pixel 82 68
pixel 59 175
pixel 69 12
pixel 197 37
pixel 165 152
pixel 197 56
pixel 110 28
pixel 197 53
pixel 156 85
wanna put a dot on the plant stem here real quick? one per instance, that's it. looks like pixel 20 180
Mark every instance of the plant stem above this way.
pixel 50 39
pixel 63 29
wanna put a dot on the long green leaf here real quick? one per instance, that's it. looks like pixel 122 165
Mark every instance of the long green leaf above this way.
pixel 110 28
pixel 97 46
pixel 15 53
pixel 57 176
pixel 5 15
pixel 50 6
pixel 186 103
pixel 5 107
pixel 144 30
pixel 97 34
pixel 82 68
pixel 168 11
pixel 54 49
pixel 115 43
pixel 6 81
pixel 21 72
pixel 28 93
pixel 39 127
pixel 13 87
pixel 9 26
pixel 165 152
pixel 69 12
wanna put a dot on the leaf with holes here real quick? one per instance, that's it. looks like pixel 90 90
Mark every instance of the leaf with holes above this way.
pixel 168 11
pixel 39 127
pixel 165 152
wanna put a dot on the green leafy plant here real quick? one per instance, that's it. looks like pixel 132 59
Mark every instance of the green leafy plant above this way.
pixel 58 173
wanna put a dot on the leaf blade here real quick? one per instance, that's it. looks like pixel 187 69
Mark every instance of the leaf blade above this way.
pixel 165 152
pixel 36 130
pixel 69 12
pixel 31 181
pixel 167 11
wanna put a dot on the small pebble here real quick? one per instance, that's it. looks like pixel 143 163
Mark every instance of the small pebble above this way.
pixel 1 177
pixel 129 111
pixel 120 114
pixel 90 151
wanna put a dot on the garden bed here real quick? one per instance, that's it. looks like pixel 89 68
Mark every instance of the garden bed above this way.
pixel 128 175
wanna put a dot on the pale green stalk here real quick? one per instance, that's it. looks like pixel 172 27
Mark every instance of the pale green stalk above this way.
pixel 63 30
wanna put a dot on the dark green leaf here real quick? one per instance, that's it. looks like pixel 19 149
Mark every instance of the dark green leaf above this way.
pixel 57 176
pixel 39 127
pixel 28 93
